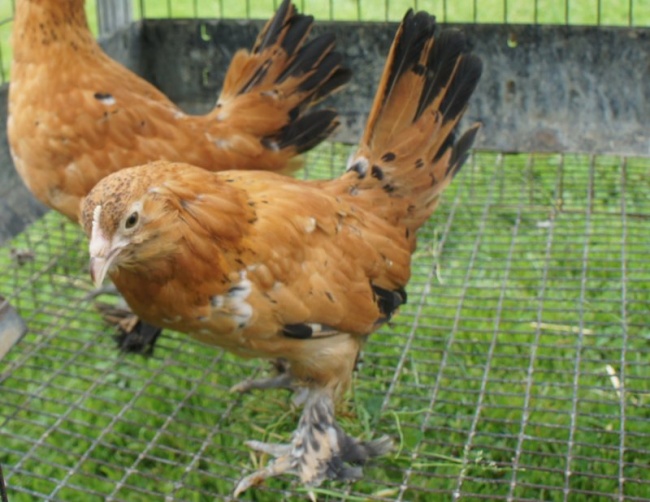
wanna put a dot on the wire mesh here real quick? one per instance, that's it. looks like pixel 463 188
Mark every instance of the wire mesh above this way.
pixel 591 12
pixel 518 370
pixel 574 12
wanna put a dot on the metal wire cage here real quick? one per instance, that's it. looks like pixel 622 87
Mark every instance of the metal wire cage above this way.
pixel 519 369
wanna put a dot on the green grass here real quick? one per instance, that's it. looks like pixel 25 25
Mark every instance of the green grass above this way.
pixel 589 12
pixel 495 289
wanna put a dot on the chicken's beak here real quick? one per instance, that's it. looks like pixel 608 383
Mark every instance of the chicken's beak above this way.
pixel 99 268
pixel 102 250
pixel 102 255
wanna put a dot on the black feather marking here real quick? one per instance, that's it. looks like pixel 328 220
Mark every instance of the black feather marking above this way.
pixel 462 147
pixel 339 78
pixel 102 96
pixel 447 48
pixel 257 77
pixel 309 55
pixel 389 188
pixel 388 301
pixel 376 172
pixel 305 132
pixel 419 164
pixel 325 68
pixel 419 69
pixel 416 29
pixel 446 144
pixel 465 81
pixel 299 331
pixel 359 168
pixel 236 289
pixel 274 27
pixel 455 168
pixel 388 157
pixel 298 27
pixel 460 153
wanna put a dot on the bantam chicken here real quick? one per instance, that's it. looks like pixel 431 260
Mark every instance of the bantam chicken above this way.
pixel 296 271
pixel 75 115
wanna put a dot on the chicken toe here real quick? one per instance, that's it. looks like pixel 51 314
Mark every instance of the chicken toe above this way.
pixel 319 449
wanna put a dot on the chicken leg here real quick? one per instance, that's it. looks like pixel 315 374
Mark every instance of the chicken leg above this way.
pixel 319 448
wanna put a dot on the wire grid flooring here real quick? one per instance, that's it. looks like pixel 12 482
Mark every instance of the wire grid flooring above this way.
pixel 519 369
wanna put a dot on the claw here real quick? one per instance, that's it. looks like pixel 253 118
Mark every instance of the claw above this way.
pixel 319 449
pixel 273 449
pixel 275 468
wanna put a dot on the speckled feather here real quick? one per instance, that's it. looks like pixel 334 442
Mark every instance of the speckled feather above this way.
pixel 75 115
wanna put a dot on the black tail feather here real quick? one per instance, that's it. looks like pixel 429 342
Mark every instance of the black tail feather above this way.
pixel 466 79
pixel 305 132
pixel 308 56
pixel 448 46
pixel 273 29
pixel 416 30
pixel 460 152
pixel 299 25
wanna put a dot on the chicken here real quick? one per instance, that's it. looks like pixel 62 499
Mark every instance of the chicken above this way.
pixel 296 271
pixel 76 116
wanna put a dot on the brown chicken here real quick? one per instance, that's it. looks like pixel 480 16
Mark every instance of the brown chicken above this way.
pixel 297 271
pixel 75 115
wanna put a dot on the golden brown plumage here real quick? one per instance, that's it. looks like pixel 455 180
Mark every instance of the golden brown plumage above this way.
pixel 301 271
pixel 75 115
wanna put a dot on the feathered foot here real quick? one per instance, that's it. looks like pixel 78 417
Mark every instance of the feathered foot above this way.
pixel 319 449
pixel 134 336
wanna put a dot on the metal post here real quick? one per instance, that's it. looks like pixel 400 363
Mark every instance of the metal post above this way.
pixel 113 14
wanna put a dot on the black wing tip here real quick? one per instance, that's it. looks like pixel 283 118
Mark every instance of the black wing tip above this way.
pixel 305 132
pixel 388 300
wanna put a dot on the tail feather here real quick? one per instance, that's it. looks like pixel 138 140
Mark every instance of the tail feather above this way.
pixel 269 91
pixel 410 152
pixel 304 133
pixel 271 32
pixel 314 51
pixel 404 55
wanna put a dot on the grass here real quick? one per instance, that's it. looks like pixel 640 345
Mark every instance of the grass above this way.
pixel 587 12
pixel 512 338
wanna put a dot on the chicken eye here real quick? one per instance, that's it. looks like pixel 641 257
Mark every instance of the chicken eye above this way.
pixel 131 220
